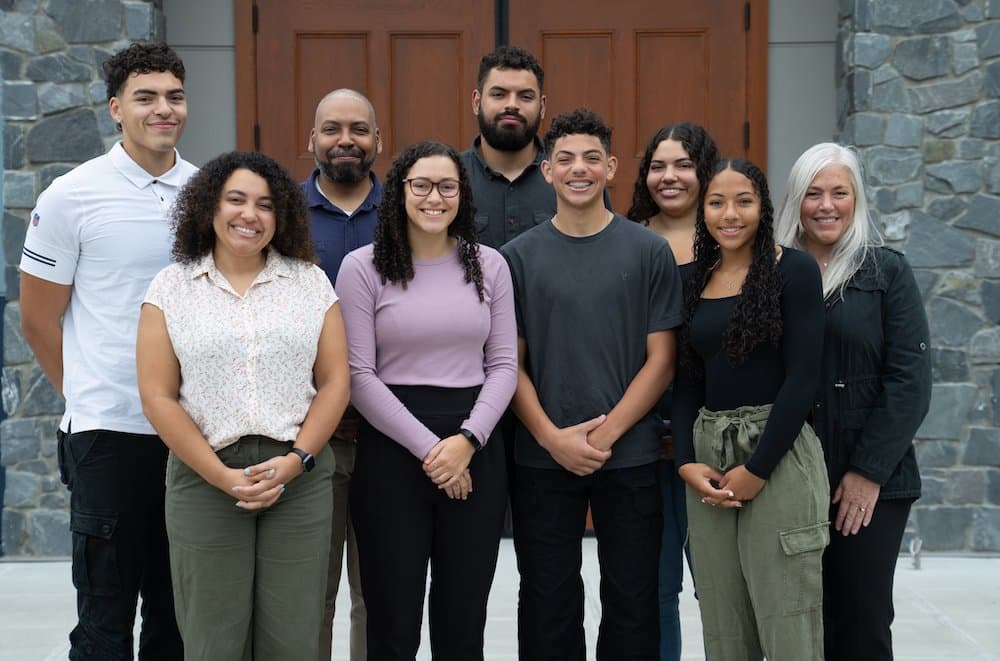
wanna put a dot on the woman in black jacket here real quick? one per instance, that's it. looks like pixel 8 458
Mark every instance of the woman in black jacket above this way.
pixel 874 392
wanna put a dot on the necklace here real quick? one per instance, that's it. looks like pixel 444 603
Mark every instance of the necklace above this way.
pixel 734 281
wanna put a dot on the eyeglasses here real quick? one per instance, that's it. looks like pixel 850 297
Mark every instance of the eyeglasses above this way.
pixel 422 187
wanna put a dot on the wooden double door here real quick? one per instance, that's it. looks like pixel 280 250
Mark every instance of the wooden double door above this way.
pixel 639 63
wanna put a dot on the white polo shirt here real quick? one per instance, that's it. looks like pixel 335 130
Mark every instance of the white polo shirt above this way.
pixel 104 228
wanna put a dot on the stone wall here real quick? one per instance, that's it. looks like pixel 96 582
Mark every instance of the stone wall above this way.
pixel 55 111
pixel 919 95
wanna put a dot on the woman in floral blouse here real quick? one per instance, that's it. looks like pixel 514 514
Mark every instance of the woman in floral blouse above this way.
pixel 242 366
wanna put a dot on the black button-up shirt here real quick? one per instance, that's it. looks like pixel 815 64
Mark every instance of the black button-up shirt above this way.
pixel 504 208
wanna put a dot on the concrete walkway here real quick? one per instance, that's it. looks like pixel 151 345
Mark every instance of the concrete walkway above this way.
pixel 949 609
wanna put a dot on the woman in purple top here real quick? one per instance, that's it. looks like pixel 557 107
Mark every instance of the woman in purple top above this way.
pixel 432 345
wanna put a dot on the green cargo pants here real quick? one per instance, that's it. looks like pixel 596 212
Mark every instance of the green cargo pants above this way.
pixel 759 569
pixel 249 584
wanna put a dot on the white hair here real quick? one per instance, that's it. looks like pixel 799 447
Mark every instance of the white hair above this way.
pixel 852 248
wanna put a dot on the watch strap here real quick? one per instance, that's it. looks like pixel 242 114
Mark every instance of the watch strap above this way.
pixel 308 461
pixel 471 438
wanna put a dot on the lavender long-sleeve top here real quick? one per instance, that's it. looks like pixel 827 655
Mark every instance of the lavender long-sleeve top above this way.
pixel 436 332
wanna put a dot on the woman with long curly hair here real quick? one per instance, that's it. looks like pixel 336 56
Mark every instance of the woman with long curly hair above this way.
pixel 432 343
pixel 242 366
pixel 874 392
pixel 675 167
pixel 758 494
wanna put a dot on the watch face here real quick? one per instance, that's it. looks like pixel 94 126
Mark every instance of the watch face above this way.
pixel 308 461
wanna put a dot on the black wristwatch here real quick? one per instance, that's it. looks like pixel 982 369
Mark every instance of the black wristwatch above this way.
pixel 471 438
pixel 308 461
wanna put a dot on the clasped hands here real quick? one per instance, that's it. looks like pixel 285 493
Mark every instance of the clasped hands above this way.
pixel 259 486
pixel 729 489
pixel 584 447
pixel 447 465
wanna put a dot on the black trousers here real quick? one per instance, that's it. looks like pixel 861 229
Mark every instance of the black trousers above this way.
pixel 116 483
pixel 550 510
pixel 402 521
pixel 857 585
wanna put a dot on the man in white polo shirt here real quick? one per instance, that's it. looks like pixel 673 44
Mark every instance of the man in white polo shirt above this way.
pixel 96 238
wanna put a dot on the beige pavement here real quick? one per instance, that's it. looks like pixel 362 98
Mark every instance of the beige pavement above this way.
pixel 949 609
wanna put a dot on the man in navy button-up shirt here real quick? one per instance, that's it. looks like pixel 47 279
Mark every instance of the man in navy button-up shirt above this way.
pixel 343 195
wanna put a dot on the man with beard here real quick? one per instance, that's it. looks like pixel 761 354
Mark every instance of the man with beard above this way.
pixel 343 195
pixel 505 158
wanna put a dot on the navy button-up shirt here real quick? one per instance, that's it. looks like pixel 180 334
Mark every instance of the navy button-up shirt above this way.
pixel 335 232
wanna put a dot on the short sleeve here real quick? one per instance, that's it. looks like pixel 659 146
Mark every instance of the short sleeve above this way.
pixel 321 285
pixel 513 264
pixel 666 298
pixel 52 243
pixel 159 289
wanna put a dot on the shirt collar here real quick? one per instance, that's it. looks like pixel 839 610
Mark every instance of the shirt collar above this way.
pixel 139 177
pixel 315 198
pixel 276 266
pixel 540 155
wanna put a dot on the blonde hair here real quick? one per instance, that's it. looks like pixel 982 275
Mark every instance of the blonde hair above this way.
pixel 852 248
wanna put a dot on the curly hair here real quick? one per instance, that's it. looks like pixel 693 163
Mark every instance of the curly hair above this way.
pixel 756 319
pixel 197 203
pixel 700 148
pixel 509 57
pixel 140 57
pixel 393 257
pixel 578 122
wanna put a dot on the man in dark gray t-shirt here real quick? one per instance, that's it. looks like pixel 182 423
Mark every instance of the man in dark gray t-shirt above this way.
pixel 584 308
pixel 597 299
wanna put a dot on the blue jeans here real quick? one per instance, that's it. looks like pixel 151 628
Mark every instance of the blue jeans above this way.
pixel 671 559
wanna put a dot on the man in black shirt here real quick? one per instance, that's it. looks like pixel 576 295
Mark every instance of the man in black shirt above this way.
pixel 504 160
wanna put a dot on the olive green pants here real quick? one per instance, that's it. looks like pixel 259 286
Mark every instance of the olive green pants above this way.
pixel 249 584
pixel 759 569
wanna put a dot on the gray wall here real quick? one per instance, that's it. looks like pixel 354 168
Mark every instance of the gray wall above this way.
pixel 201 31
pixel 802 83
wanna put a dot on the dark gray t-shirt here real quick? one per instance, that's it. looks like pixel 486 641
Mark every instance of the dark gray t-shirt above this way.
pixel 584 307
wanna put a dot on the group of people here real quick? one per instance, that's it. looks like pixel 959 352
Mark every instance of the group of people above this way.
pixel 261 375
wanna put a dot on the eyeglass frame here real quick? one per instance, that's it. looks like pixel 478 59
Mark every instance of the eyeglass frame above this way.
pixel 434 184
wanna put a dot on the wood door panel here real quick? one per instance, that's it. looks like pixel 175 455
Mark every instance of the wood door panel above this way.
pixel 434 63
pixel 575 51
pixel 415 59
pixel 656 51
pixel 642 64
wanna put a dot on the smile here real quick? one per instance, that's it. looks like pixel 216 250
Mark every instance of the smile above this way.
pixel 245 231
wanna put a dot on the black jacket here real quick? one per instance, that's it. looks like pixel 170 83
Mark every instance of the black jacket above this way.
pixel 875 385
